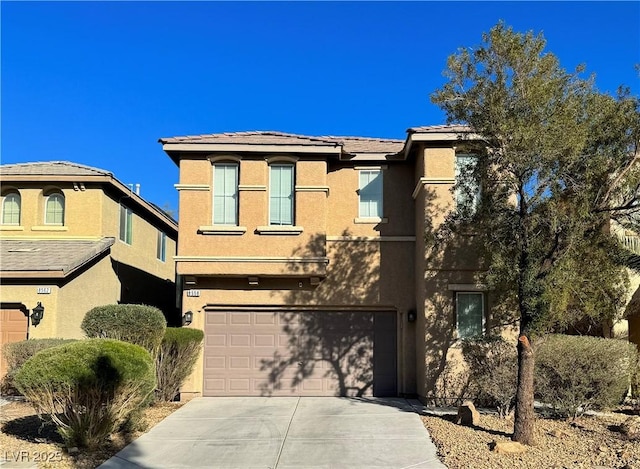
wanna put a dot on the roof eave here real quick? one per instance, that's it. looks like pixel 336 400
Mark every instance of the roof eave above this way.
pixel 170 148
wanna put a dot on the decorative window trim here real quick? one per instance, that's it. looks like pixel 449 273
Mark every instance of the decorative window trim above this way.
pixel 281 159
pixel 192 187
pixel 279 230
pixel 222 158
pixel 370 220
pixel 371 168
pixel 222 230
pixel 324 189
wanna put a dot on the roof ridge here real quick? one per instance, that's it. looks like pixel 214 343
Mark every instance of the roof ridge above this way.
pixel 61 162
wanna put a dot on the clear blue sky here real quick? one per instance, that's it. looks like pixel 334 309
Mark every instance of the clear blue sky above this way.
pixel 99 82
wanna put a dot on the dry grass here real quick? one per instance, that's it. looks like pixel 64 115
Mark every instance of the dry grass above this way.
pixel 23 436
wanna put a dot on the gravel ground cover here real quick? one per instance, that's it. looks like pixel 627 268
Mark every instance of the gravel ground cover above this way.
pixel 24 437
pixel 588 442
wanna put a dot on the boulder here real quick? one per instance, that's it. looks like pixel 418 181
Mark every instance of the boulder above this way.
pixel 508 447
pixel 468 415
pixel 631 428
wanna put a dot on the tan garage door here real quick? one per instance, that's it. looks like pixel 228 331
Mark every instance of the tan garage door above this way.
pixel 300 353
pixel 13 328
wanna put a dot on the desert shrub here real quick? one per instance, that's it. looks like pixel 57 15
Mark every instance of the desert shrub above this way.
pixel 493 371
pixel 137 324
pixel 176 357
pixel 88 388
pixel 578 373
pixel 17 353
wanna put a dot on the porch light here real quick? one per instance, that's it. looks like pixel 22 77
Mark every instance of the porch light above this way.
pixel 187 318
pixel 36 314
pixel 411 315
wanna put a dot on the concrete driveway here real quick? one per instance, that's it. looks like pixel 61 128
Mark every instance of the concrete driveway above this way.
pixel 285 432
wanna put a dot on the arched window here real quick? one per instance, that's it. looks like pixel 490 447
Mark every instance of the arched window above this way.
pixel 11 208
pixel 54 209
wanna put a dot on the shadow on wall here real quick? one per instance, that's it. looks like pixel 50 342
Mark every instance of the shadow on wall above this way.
pixel 452 255
pixel 331 345
pixel 140 287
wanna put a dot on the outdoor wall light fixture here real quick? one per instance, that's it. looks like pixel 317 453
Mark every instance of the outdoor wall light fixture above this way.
pixel 187 318
pixel 411 315
pixel 36 314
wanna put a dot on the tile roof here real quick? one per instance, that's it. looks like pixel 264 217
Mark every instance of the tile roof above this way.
pixel 439 128
pixel 51 168
pixel 348 144
pixel 64 256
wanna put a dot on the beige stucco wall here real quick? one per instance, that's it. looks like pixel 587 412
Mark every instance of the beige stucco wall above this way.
pixel 141 253
pixel 90 213
pixel 29 296
pixel 83 214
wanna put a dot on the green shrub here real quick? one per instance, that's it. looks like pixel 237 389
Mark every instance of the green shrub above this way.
pixel 176 357
pixel 493 371
pixel 578 373
pixel 88 388
pixel 137 324
pixel 16 353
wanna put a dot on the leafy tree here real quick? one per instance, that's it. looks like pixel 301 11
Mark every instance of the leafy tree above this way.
pixel 557 160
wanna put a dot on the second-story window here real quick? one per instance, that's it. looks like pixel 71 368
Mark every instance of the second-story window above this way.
pixel 11 208
pixel 126 224
pixel 225 194
pixel 161 247
pixel 54 209
pixel 370 193
pixel 281 194
pixel 467 191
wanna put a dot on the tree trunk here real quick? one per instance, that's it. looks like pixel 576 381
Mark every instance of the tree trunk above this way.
pixel 524 426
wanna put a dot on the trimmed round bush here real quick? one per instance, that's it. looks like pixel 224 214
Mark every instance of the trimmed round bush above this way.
pixel 88 388
pixel 137 324
pixel 17 353
pixel 578 373
pixel 176 358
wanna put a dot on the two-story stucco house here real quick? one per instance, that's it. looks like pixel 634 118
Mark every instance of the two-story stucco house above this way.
pixel 308 264
pixel 73 237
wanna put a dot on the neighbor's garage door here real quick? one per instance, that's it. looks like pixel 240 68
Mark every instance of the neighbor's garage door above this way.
pixel 300 353
pixel 13 328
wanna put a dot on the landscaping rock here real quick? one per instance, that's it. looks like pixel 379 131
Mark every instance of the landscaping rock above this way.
pixel 468 415
pixel 508 447
pixel 631 428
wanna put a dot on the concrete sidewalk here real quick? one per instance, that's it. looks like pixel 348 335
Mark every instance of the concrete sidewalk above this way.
pixel 285 433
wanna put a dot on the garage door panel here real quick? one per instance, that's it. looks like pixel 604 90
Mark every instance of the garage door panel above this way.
pixel 13 328
pixel 296 353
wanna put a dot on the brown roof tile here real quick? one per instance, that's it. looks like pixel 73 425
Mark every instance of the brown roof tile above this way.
pixel 65 256
pixel 348 144
pixel 51 168
pixel 425 129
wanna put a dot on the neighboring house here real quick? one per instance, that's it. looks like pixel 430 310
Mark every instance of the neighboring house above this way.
pixel 308 263
pixel 73 237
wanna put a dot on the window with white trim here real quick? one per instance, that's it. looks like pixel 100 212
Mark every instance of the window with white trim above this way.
pixel 225 194
pixel 281 194
pixel 370 193
pixel 161 246
pixel 54 209
pixel 469 314
pixel 467 192
pixel 126 224
pixel 11 208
